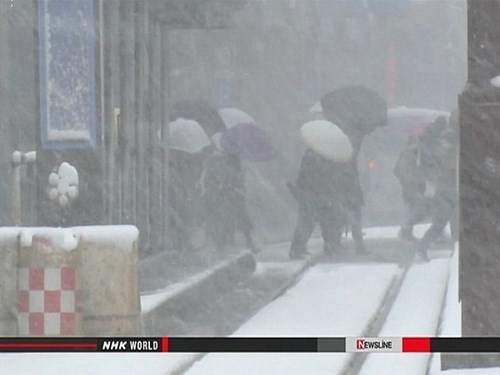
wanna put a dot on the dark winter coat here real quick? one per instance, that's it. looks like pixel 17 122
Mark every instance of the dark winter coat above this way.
pixel 356 137
pixel 185 170
pixel 223 186
pixel 322 183
pixel 445 172
pixel 409 174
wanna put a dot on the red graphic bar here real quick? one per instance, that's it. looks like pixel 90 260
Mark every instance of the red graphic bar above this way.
pixel 416 344
pixel 164 344
pixel 51 345
pixel 47 345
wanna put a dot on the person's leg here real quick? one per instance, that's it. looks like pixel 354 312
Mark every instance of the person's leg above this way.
pixel 302 233
pixel 406 231
pixel 356 221
pixel 332 224
pixel 442 214
pixel 246 227
pixel 418 210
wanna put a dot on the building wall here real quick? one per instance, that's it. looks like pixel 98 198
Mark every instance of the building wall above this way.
pixel 274 59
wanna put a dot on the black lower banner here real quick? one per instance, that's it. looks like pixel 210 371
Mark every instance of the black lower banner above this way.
pixel 248 344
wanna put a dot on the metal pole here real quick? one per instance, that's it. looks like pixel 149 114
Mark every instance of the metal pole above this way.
pixel 17 160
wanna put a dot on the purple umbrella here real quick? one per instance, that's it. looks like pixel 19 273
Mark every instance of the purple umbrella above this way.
pixel 248 142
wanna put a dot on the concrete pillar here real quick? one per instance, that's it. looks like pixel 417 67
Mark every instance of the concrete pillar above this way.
pixel 108 265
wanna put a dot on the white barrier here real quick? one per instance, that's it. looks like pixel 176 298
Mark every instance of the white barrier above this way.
pixel 69 281
pixel 108 264
pixel 48 287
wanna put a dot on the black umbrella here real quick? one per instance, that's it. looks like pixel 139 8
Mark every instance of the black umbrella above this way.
pixel 355 109
pixel 201 112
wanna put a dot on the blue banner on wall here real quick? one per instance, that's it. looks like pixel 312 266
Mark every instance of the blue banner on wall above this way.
pixel 67 74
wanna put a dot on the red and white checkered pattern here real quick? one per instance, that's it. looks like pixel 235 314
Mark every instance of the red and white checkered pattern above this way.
pixel 46 301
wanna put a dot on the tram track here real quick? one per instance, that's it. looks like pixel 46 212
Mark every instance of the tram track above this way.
pixel 376 323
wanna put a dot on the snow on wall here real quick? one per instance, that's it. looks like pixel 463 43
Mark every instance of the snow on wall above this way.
pixel 121 236
pixel 61 239
pixel 8 234
pixel 67 239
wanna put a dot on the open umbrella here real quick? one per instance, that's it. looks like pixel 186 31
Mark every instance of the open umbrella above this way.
pixel 355 109
pixel 201 112
pixel 187 135
pixel 235 116
pixel 249 142
pixel 326 139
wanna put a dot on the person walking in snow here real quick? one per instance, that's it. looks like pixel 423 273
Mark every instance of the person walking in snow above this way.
pixel 188 148
pixel 412 180
pixel 441 179
pixel 323 187
pixel 223 189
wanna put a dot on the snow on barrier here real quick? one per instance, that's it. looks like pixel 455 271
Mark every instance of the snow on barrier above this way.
pixel 108 265
pixel 8 274
pixel 47 283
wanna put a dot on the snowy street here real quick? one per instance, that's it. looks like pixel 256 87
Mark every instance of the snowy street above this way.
pixel 196 187
pixel 341 299
pixel 344 298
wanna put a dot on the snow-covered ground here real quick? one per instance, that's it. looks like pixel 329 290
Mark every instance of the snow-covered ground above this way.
pixel 330 300
pixel 415 312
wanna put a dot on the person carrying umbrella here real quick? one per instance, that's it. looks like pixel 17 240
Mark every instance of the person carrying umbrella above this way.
pixel 358 111
pixel 188 145
pixel 223 180
pixel 411 177
pixel 322 187
pixel 442 176
pixel 192 123
pixel 201 112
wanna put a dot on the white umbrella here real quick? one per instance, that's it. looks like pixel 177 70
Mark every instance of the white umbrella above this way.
pixel 234 116
pixel 326 139
pixel 187 135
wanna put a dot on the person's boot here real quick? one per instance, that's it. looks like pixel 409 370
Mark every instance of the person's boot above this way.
pixel 252 246
pixel 297 251
pixel 294 255
pixel 422 253
pixel 407 234
pixel 329 257
pixel 360 248
pixel 331 251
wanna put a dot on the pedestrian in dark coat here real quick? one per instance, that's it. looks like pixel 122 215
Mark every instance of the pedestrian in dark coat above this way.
pixel 223 186
pixel 442 176
pixel 184 197
pixel 412 180
pixel 322 190
pixel 355 197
